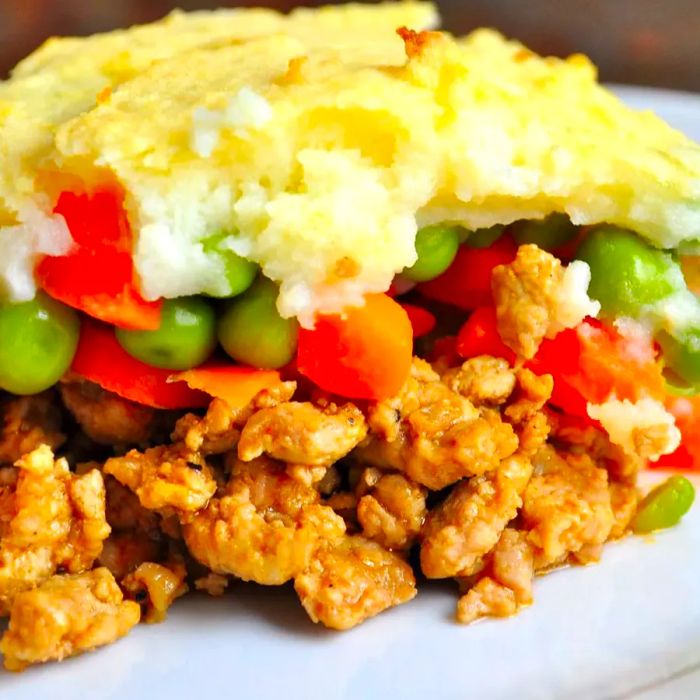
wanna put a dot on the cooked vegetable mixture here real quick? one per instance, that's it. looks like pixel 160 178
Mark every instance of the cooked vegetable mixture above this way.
pixel 306 298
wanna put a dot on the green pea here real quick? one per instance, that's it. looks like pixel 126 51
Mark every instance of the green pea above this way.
pixel 38 339
pixel 484 237
pixel 239 272
pixel 550 233
pixel 436 247
pixel 186 337
pixel 251 330
pixel 665 505
pixel 681 353
pixel 626 272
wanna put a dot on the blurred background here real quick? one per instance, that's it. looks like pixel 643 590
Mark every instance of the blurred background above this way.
pixel 646 42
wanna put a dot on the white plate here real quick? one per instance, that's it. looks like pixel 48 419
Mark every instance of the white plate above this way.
pixel 628 627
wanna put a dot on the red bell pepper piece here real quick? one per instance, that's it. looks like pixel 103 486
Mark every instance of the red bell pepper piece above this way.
pixel 467 282
pixel 97 276
pixel 479 336
pixel 594 361
pixel 100 359
pixel 422 321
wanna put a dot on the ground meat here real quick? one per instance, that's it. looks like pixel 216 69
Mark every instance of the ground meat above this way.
pixel 309 476
pixel 123 552
pixel 524 410
pixel 353 580
pixel 433 434
pixel 214 433
pixel 164 478
pixel 512 564
pixel 536 298
pixel 51 519
pixel 301 433
pixel 106 418
pixel 392 513
pixel 265 528
pixel 125 512
pixel 65 616
pixel 330 481
pixel 220 428
pixel 344 503
pixel 26 422
pixel 573 436
pixel 484 380
pixel 469 522
pixel 487 598
pixel 212 584
pixel 506 584
pixel 623 500
pixel 533 434
pixel 566 506
pixel 532 391
pixel 8 476
pixel 155 587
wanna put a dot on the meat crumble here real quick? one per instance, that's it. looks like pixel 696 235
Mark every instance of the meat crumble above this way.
pixel 333 496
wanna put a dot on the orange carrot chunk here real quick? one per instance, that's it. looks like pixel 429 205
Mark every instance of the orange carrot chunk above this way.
pixel 364 353
pixel 235 384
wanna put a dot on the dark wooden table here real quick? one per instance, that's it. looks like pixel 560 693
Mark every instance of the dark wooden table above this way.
pixel 648 42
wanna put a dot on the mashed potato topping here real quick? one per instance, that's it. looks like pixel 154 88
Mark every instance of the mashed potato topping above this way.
pixel 246 121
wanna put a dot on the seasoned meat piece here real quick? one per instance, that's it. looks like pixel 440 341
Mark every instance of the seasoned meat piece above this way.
pixel 8 476
pixel 393 511
pixel 164 478
pixel 220 428
pixel 105 417
pixel 125 551
pixel 573 436
pixel 487 598
pixel 536 298
pixel 566 506
pixel 309 476
pixel 506 584
pixel 66 616
pixel 212 584
pixel 512 564
pixel 623 500
pixel 524 410
pixel 265 528
pixel 533 434
pixel 352 580
pixel 302 433
pixel 433 434
pixel 344 503
pixel 50 519
pixel 329 482
pixel 214 433
pixel 532 391
pixel 155 587
pixel 26 422
pixel 484 380
pixel 125 512
pixel 468 523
